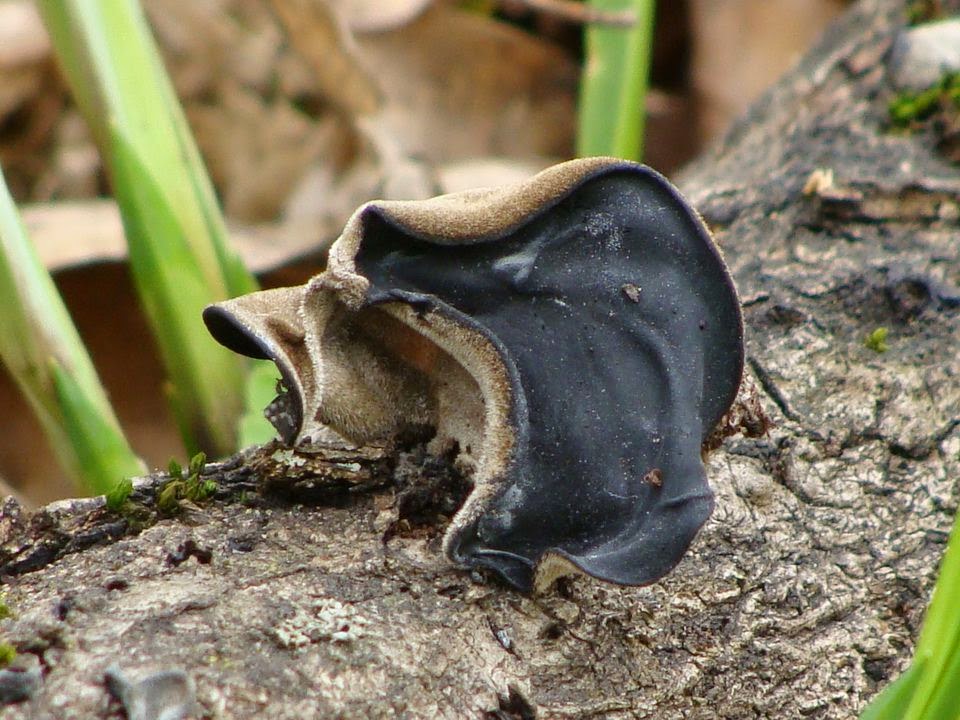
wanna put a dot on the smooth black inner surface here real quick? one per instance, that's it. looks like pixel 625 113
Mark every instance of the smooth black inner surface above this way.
pixel 233 336
pixel 624 327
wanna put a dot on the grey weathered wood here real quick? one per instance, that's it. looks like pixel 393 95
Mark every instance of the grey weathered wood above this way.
pixel 801 597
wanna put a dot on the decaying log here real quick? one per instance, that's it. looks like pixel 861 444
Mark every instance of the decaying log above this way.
pixel 801 597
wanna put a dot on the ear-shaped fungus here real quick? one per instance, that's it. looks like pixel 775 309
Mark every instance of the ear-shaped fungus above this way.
pixel 575 337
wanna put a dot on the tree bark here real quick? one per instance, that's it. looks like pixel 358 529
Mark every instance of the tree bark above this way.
pixel 801 597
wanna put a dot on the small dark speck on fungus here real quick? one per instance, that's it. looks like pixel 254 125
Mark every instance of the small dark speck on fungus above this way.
pixel 654 477
pixel 512 321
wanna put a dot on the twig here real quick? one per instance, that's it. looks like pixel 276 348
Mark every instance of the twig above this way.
pixel 576 12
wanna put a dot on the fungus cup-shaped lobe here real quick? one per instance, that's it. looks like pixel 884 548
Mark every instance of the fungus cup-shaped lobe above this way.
pixel 591 316
pixel 265 325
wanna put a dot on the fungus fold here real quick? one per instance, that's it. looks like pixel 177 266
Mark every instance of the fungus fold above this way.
pixel 573 338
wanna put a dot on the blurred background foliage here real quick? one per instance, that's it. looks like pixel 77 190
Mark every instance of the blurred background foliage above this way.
pixel 303 109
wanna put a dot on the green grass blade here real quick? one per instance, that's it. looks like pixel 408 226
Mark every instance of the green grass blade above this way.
pixel 941 620
pixel 261 389
pixel 40 347
pixel 613 87
pixel 178 243
pixel 108 55
pixel 930 688
pixel 102 452
pixel 207 381
pixel 938 691
pixel 893 701
pixel 943 703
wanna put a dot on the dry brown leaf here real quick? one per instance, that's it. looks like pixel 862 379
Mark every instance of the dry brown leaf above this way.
pixel 742 46
pixel 24 47
pixel 69 234
pixel 485 172
pixel 193 38
pixel 326 195
pixel 458 85
pixel 205 42
pixel 258 151
pixel 23 41
pixel 320 38
pixel 73 167
pixel 378 15
pixel 17 86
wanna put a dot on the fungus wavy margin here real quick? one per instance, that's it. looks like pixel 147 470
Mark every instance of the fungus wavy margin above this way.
pixel 575 336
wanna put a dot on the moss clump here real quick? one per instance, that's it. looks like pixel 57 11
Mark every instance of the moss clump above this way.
pixel 909 107
pixel 921 11
pixel 185 485
pixel 877 340
pixel 117 497
pixel 8 653
pixel 5 611
pixel 137 515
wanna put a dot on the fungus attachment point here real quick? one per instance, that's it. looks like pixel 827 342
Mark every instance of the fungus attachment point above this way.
pixel 576 337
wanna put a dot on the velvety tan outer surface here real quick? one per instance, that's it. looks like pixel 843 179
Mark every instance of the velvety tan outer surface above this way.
pixel 371 373
pixel 470 215
pixel 361 374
